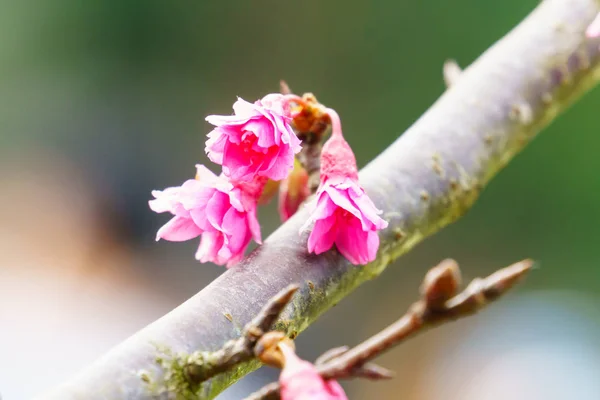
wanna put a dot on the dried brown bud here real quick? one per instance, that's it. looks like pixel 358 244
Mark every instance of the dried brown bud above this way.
pixel 284 87
pixel 441 283
pixel 310 118
pixel 267 348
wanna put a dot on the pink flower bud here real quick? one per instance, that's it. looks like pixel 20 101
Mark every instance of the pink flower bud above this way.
pixel 344 215
pixel 300 380
pixel 257 141
pixel 221 212
pixel 293 191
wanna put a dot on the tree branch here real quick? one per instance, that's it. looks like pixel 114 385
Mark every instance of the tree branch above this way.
pixel 428 178
pixel 439 303
pixel 202 365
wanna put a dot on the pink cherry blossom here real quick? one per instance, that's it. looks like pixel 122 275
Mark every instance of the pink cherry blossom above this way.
pixel 593 30
pixel 256 141
pixel 344 215
pixel 300 380
pixel 221 212
pixel 293 191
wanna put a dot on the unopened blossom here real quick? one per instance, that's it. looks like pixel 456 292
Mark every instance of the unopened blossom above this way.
pixel 300 380
pixel 344 215
pixel 293 191
pixel 270 190
pixel 593 29
pixel 222 213
pixel 257 141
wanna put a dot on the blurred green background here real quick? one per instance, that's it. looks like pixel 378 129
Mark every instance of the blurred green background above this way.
pixel 103 101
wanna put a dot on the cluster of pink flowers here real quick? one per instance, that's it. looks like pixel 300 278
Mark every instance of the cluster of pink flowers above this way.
pixel 255 145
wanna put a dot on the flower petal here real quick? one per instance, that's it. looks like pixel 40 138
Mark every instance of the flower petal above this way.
pixel 216 208
pixel 369 212
pixel 323 235
pixel 341 199
pixel 254 226
pixel 351 242
pixel 178 229
pixel 210 243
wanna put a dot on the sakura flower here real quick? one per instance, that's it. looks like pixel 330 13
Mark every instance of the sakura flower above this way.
pixel 344 215
pixel 256 141
pixel 593 30
pixel 293 191
pixel 300 380
pixel 222 213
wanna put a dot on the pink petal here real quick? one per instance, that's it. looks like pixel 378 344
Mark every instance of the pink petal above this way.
pixel 254 226
pixel 352 243
pixel 341 198
pixel 195 194
pixel 216 208
pixel 243 108
pixel 323 209
pixel 295 142
pixel 372 245
pixel 235 198
pixel 215 146
pixel 204 174
pixel 239 167
pixel 280 165
pixel 226 120
pixel 200 219
pixel 178 229
pixel 165 200
pixel 210 243
pixel 243 111
pixel 264 131
pixel 236 231
pixel 323 235
pixel 368 210
pixel 224 254
pixel 325 206
pixel 274 102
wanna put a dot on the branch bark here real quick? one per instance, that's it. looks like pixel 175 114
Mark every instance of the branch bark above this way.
pixel 428 178
pixel 439 303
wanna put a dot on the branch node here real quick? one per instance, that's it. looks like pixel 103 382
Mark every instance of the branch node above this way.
pixel 451 71
pixel 439 303
pixel 201 366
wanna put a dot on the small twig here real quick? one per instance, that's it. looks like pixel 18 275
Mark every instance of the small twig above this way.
pixel 284 88
pixel 439 303
pixel 201 366
pixel 311 124
pixel 452 72
pixel 310 158
pixel 369 371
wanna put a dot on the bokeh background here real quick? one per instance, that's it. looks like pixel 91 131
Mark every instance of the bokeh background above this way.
pixel 103 101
